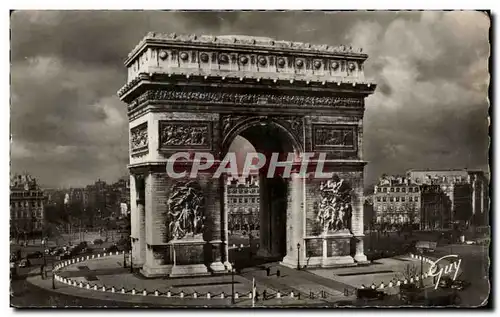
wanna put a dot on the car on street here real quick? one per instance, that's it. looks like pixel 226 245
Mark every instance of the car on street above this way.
pixel 449 283
pixel 56 251
pixel 34 255
pixel 97 242
pixel 112 248
pixel 25 263
pixel 86 251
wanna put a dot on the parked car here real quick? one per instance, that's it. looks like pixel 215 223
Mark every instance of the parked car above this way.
pixel 112 248
pixel 408 293
pixel 56 251
pixel 98 242
pixel 449 283
pixel 25 263
pixel 34 255
pixel 86 251
pixel 369 294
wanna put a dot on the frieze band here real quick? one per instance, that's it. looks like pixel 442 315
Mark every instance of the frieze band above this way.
pixel 235 98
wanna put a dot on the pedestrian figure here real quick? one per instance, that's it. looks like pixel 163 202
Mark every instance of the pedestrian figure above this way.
pixel 42 271
pixel 268 271
pixel 278 273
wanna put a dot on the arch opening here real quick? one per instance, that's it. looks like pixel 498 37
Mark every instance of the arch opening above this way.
pixel 266 195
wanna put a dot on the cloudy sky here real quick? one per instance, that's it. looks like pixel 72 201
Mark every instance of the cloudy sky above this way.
pixel 69 128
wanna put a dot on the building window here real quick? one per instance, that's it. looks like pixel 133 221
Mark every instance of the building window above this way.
pixel 392 189
pixel 253 200
pixel 384 199
pixel 391 199
pixel 411 198
pixel 397 198
pixel 379 190
pixel 403 190
pixel 378 198
pixel 410 190
pixel 240 200
pixel 416 198
pixel 246 200
pixel 385 190
pixel 416 190
pixel 397 189
pixel 403 199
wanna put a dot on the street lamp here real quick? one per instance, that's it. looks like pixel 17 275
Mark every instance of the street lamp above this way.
pixel 298 256
pixel 421 268
pixel 232 282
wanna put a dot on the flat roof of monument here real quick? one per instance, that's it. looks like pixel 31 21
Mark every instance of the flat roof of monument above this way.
pixel 244 41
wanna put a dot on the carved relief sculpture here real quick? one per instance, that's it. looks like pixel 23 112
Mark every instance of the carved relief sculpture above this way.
pixel 181 134
pixel 335 208
pixel 139 138
pixel 185 210
pixel 334 136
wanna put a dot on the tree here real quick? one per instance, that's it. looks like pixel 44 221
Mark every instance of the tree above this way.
pixel 410 271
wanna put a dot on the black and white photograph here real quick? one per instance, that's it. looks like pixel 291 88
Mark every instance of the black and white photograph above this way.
pixel 250 159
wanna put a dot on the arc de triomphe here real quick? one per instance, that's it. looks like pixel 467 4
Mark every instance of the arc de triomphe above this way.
pixel 197 93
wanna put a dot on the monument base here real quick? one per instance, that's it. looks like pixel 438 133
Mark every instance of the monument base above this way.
pixel 163 270
pixel 217 267
pixel 189 270
pixel 291 262
pixel 333 261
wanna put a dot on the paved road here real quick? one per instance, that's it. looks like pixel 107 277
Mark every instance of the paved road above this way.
pixel 474 268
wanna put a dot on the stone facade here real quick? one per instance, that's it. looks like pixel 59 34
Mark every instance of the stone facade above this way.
pixel 27 204
pixel 189 93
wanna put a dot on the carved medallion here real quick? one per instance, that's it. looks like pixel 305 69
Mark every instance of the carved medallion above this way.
pixel 335 136
pixel 335 209
pixel 139 138
pixel 204 57
pixel 187 134
pixel 186 210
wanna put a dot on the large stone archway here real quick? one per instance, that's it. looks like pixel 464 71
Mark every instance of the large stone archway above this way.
pixel 195 94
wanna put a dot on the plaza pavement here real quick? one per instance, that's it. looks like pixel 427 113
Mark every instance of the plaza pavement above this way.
pixel 109 272
pixel 379 271
pixel 327 285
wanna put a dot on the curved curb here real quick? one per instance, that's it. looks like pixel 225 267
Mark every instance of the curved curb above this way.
pixel 155 293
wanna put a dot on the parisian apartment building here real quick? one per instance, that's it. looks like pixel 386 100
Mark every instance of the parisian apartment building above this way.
pixel 432 199
pixel 243 201
pixel 27 204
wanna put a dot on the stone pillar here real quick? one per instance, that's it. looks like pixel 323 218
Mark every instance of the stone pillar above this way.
pixel 137 218
pixel 295 223
pixel 158 260
pixel 357 221
pixel 134 220
pixel 142 225
pixel 264 216
pixel 225 226
pixel 217 213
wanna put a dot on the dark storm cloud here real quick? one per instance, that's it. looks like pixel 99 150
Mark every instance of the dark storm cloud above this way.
pixel 68 126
